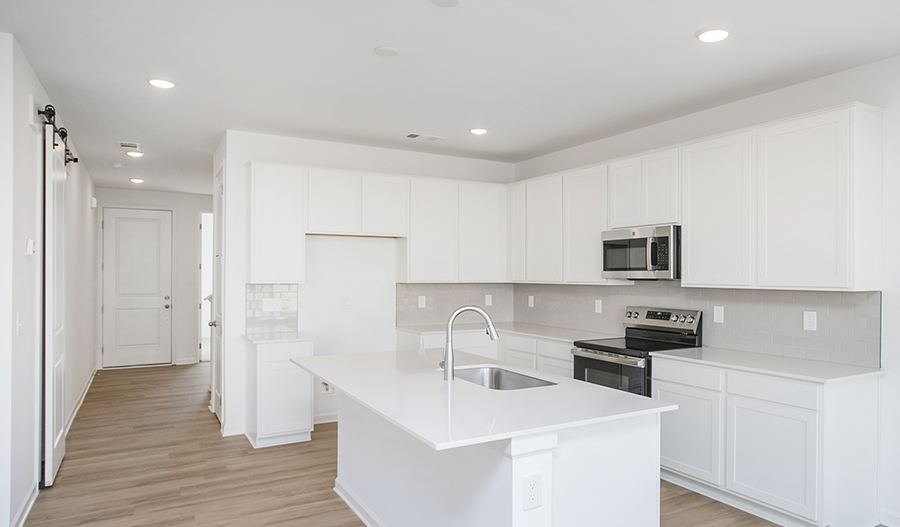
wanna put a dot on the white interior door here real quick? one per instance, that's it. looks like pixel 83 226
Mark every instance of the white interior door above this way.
pixel 137 287
pixel 216 366
pixel 54 304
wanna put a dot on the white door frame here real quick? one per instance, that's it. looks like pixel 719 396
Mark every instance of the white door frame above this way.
pixel 217 353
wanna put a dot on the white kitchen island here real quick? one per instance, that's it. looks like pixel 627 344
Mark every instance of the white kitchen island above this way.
pixel 415 450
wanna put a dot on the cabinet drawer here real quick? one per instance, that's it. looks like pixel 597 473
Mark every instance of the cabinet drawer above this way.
pixel 559 367
pixel 526 344
pixel 435 340
pixel 689 374
pixel 558 350
pixel 517 358
pixel 774 389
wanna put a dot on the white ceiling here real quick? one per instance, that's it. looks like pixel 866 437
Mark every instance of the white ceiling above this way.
pixel 542 75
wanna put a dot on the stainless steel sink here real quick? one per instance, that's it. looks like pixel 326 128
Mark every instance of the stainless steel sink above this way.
pixel 498 379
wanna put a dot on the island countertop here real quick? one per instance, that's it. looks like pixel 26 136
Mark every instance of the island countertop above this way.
pixel 406 389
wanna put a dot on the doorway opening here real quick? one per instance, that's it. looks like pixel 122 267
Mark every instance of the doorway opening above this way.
pixel 206 284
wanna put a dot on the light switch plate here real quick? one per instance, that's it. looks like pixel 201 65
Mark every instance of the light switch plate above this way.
pixel 719 314
pixel 421 300
pixel 488 300
pixel 598 306
pixel 271 304
pixel 809 320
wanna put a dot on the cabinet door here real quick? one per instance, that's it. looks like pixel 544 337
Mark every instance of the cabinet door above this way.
pixel 482 232
pixel 543 245
pixel 518 358
pixel 432 230
pixel 804 193
pixel 659 188
pixel 625 193
pixel 584 220
pixel 772 454
pixel 285 398
pixel 717 215
pixel 557 366
pixel 333 202
pixel 277 241
pixel 384 203
pixel 691 437
pixel 515 198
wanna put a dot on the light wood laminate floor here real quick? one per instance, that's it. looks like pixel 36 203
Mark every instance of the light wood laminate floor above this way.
pixel 144 450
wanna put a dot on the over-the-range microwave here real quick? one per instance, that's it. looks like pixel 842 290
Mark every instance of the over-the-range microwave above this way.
pixel 643 253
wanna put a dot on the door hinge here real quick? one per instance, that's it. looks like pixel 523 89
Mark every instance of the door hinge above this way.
pixel 102 309
pixel 201 266
pixel 201 226
pixel 102 224
pixel 102 350
pixel 102 266
pixel 201 345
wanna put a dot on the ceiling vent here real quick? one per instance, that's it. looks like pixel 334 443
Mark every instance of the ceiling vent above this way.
pixel 128 145
pixel 427 137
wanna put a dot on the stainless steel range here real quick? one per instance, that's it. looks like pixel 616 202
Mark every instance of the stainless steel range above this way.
pixel 624 363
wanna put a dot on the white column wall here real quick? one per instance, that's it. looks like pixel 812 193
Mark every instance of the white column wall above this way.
pixel 6 274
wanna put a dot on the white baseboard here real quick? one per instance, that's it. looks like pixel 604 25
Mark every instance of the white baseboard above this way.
pixel 890 518
pixel 284 439
pixel 320 419
pixel 22 515
pixel 185 362
pixel 233 431
pixel 80 401
pixel 358 508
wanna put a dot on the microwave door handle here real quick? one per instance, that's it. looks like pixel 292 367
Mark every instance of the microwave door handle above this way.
pixel 652 253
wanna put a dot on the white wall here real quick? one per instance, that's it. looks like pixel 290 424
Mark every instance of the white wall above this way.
pixel 877 84
pixel 186 209
pixel 361 272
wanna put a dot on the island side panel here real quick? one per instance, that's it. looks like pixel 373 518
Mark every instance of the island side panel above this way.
pixel 390 478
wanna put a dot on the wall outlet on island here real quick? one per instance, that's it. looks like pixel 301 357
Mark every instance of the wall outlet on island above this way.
pixel 325 389
pixel 531 492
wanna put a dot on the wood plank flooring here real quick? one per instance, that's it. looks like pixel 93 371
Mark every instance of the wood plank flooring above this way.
pixel 144 450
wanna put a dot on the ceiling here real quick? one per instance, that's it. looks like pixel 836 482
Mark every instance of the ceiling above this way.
pixel 541 75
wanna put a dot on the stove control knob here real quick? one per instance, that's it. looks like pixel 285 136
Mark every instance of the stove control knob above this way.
pixel 682 318
pixel 635 315
pixel 674 318
pixel 690 319
pixel 628 314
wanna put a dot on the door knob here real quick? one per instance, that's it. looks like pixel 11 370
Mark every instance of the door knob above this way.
pixel 167 306
pixel 213 324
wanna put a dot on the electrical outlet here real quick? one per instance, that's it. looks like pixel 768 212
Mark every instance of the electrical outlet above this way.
pixel 271 304
pixel 530 300
pixel 598 306
pixel 421 300
pixel 531 492
pixel 325 389
pixel 292 304
pixel 488 300
pixel 809 320
pixel 345 302
pixel 719 314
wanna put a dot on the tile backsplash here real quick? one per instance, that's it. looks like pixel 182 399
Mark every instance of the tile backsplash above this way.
pixel 280 322
pixel 759 321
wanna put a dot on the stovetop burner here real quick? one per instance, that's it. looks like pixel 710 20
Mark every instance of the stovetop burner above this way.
pixel 651 329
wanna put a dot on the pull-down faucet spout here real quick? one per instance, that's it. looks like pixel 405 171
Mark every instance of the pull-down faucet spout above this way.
pixel 447 363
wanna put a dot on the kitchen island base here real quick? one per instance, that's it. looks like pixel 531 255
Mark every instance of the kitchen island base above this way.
pixel 602 474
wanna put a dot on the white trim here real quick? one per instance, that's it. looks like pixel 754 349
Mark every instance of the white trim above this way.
pixel 25 509
pixel 285 439
pixel 358 508
pixel 320 419
pixel 80 401
pixel 890 518
pixel 233 430
pixel 187 362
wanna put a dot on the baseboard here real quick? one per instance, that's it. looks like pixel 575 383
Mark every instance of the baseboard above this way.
pixel 358 508
pixel 233 431
pixel 80 401
pixel 185 362
pixel 22 515
pixel 890 518
pixel 284 439
pixel 320 419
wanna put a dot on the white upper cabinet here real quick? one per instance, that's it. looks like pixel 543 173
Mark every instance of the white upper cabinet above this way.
pixel 543 229
pixel 433 229
pixel 516 218
pixel 277 242
pixel 482 232
pixel 584 220
pixel 644 190
pixel 819 193
pixel 717 212
pixel 333 202
pixel 384 205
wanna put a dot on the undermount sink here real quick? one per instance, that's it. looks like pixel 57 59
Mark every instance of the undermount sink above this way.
pixel 498 378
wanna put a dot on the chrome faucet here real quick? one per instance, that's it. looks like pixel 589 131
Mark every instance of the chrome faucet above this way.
pixel 447 363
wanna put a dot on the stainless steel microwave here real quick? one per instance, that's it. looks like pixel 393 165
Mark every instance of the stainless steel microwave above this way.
pixel 643 253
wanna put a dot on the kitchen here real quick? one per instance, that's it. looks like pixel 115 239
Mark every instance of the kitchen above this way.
pixel 558 304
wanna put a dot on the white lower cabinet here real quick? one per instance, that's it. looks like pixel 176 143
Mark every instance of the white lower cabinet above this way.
pixel 475 342
pixel 549 355
pixel 795 452
pixel 279 394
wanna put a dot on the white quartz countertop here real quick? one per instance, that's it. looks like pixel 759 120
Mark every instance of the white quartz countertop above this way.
pixel 794 368
pixel 405 388
pixel 534 330
pixel 274 338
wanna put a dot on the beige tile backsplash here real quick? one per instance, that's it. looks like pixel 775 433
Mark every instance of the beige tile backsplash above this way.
pixel 771 322
pixel 261 322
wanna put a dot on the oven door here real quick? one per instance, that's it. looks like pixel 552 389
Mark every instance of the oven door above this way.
pixel 630 374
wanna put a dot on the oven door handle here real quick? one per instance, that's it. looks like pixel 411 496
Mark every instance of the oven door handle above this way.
pixel 611 357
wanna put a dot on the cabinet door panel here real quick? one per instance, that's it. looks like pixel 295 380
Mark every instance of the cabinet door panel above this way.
pixel 277 241
pixel 544 230
pixel 482 232
pixel 660 185
pixel 557 366
pixel 804 194
pixel 585 204
pixel 384 202
pixel 333 202
pixel 772 454
pixel 432 231
pixel 625 193
pixel 285 398
pixel 717 216
pixel 516 232
pixel 518 358
pixel 691 437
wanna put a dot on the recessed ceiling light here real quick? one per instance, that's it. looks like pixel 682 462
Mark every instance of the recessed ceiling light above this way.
pixel 136 180
pixel 478 131
pixel 134 153
pixel 159 83
pixel 445 3
pixel 712 35
pixel 386 51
